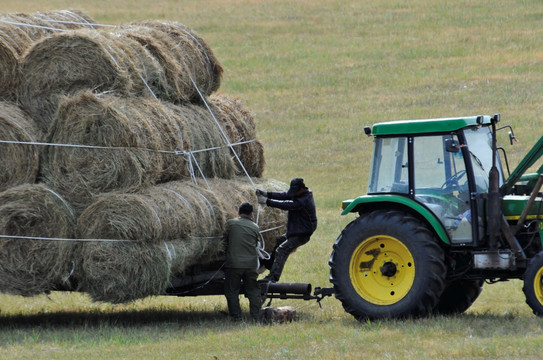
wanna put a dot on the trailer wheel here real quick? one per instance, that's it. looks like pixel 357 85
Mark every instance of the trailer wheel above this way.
pixel 387 264
pixel 458 296
pixel 533 284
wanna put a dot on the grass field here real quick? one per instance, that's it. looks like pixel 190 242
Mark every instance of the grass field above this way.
pixel 315 72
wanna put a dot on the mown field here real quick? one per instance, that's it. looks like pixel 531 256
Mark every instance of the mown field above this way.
pixel 315 72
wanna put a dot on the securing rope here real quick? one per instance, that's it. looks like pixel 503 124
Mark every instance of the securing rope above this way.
pixel 225 137
pixel 174 152
pixel 58 239
pixel 56 21
pixel 263 254
pixel 32 26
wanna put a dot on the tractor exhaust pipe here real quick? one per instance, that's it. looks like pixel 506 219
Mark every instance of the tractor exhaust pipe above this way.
pixel 494 203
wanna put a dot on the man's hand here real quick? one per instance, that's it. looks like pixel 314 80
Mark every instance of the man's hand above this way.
pixel 262 199
pixel 261 192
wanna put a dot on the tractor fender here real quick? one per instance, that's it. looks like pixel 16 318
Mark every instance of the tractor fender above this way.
pixel 367 203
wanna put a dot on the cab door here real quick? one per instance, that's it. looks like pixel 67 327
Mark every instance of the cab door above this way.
pixel 441 183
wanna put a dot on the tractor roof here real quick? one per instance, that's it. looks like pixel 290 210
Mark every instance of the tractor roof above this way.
pixel 405 127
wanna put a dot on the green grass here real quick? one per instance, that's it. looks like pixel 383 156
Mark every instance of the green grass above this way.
pixel 60 327
pixel 315 72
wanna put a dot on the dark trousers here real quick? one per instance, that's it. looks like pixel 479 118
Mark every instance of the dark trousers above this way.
pixel 282 253
pixel 232 287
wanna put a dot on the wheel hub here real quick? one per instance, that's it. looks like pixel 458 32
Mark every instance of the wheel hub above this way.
pixel 388 269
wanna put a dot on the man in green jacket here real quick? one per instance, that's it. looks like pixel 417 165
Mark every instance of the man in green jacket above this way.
pixel 242 262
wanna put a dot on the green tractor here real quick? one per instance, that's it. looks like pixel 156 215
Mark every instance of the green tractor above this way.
pixel 440 219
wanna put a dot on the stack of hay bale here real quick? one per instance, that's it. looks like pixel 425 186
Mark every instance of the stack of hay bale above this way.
pixel 121 160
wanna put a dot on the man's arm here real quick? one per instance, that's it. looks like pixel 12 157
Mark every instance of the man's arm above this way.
pixel 284 204
pixel 278 195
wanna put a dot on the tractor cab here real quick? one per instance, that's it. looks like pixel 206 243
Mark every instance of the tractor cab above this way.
pixel 442 164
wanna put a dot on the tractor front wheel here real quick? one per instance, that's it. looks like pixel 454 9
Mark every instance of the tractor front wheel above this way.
pixel 387 264
pixel 533 284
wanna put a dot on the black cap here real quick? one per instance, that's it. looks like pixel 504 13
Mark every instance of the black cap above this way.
pixel 295 185
pixel 246 208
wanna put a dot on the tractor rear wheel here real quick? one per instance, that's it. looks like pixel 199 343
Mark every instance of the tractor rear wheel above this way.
pixel 387 264
pixel 533 284
pixel 458 296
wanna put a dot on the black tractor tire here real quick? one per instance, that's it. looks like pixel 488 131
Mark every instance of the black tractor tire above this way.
pixel 387 264
pixel 533 284
pixel 458 296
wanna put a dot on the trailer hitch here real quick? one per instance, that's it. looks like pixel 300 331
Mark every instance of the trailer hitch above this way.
pixel 321 293
pixel 271 290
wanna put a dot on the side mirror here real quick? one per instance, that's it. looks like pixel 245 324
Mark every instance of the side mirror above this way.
pixel 512 138
pixel 452 146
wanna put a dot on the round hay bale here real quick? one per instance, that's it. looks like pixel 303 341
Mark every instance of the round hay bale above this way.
pixel 122 217
pixel 192 53
pixel 175 210
pixel 80 173
pixel 119 272
pixel 209 155
pixel 184 219
pixel 151 139
pixel 187 210
pixel 201 247
pixel 153 220
pixel 193 221
pixel 77 60
pixel 19 31
pixel 195 251
pixel 19 162
pixel 177 86
pixel 239 124
pixel 31 267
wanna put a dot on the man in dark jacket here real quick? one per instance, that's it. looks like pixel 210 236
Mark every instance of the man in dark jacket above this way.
pixel 301 221
pixel 242 262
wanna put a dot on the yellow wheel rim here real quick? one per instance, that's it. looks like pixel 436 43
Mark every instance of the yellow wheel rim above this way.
pixel 382 270
pixel 538 285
